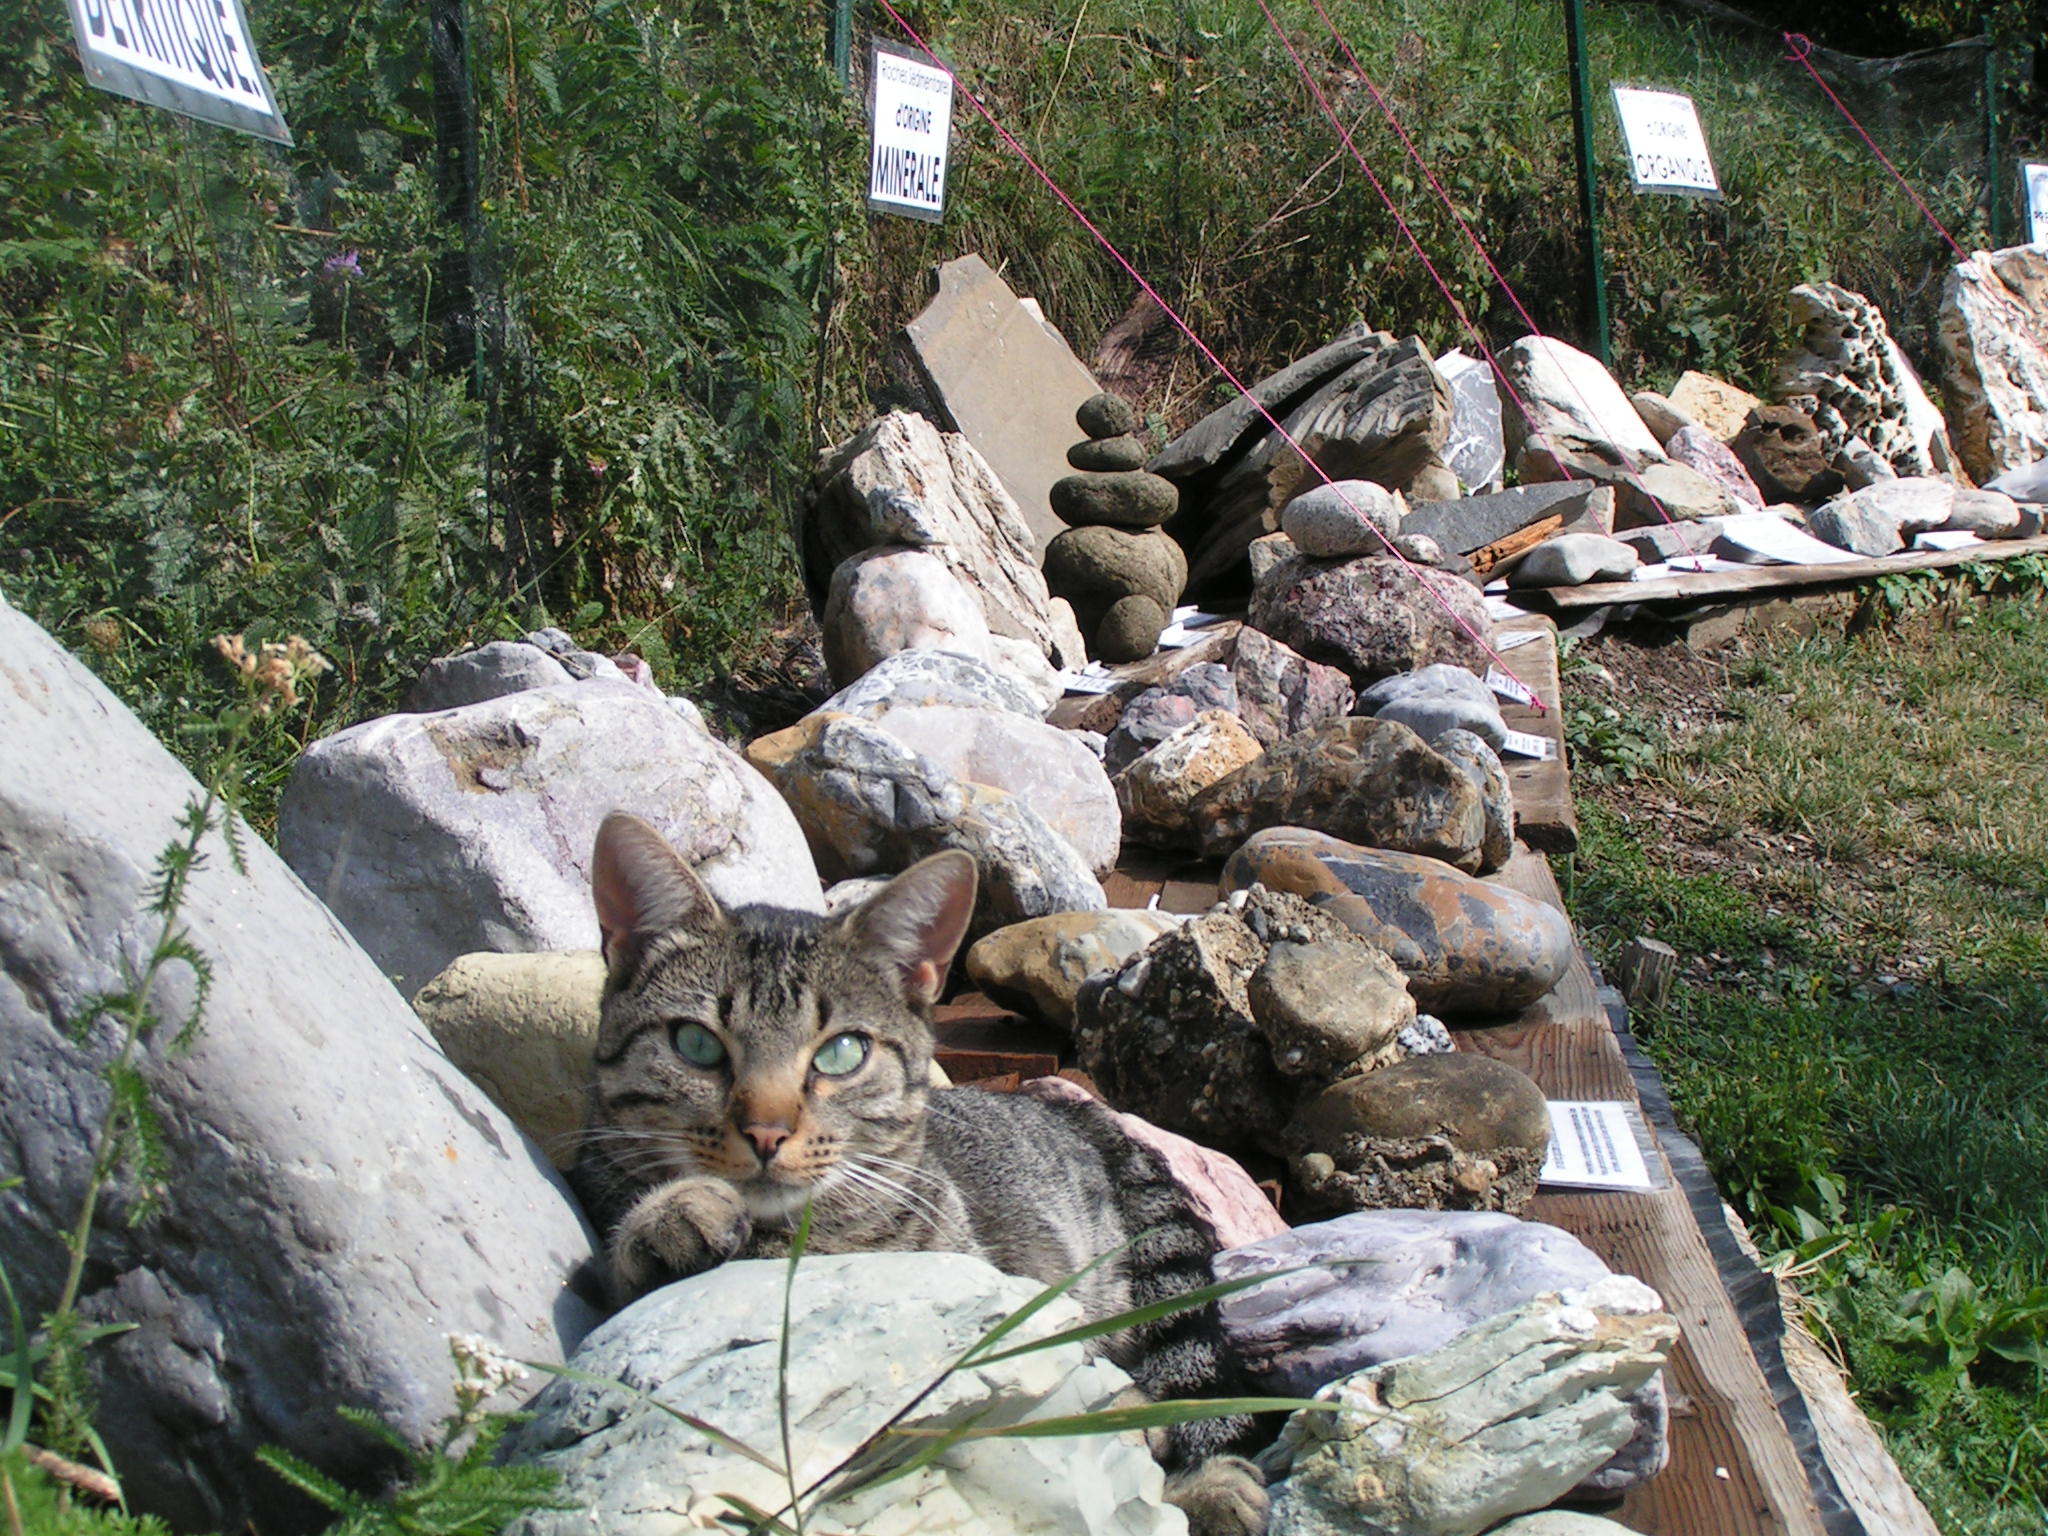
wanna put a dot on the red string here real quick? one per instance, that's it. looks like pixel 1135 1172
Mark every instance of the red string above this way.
pixel 1629 463
pixel 1801 54
pixel 1203 347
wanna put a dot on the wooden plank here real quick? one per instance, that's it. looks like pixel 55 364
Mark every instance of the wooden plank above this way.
pixel 1520 542
pixel 1733 1469
pixel 1544 816
pixel 1766 578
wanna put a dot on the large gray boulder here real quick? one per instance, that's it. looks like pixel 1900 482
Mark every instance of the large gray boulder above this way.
pixel 867 1332
pixel 432 836
pixel 339 1198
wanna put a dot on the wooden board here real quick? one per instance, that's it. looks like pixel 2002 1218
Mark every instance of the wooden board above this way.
pixel 1707 585
pixel 1544 817
pixel 1733 1467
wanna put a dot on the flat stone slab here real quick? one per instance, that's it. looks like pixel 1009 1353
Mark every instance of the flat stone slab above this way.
pixel 1473 522
pixel 1005 382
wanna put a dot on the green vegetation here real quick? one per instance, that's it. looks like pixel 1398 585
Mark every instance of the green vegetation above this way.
pixel 1851 854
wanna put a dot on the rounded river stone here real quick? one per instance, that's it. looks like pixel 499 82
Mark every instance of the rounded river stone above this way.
pixel 1106 415
pixel 1107 454
pixel 1467 946
pixel 1130 630
pixel 1093 567
pixel 1133 499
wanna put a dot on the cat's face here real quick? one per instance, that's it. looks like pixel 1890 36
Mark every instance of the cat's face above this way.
pixel 784 1054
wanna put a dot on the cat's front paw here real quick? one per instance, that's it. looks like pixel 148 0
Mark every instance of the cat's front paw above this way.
pixel 1224 1496
pixel 680 1228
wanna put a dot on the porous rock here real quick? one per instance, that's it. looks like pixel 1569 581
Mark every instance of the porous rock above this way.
pixel 522 1028
pixel 339 1197
pixel 1786 455
pixel 1172 1035
pixel 1860 383
pixel 1372 781
pixel 1158 791
pixel 1467 946
pixel 1438 1132
pixel 1371 617
pixel 432 836
pixel 1280 691
pixel 1506 1418
pixel 1039 964
pixel 865 1333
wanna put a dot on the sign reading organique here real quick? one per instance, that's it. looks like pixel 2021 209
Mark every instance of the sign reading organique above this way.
pixel 910 117
pixel 1667 148
pixel 190 56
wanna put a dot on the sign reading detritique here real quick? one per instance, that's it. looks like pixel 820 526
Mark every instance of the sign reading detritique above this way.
pixel 1667 148
pixel 910 116
pixel 2036 176
pixel 189 56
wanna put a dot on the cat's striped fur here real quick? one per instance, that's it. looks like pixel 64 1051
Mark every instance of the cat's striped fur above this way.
pixel 752 1061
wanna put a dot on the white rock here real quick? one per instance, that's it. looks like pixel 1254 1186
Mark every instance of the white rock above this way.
pixel 1988 514
pixel 1574 559
pixel 867 1333
pixel 1575 407
pixel 1993 328
pixel 1156 790
pixel 432 836
pixel 930 676
pixel 1043 766
pixel 892 599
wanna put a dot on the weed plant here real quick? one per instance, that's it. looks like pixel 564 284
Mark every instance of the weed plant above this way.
pixel 1857 1038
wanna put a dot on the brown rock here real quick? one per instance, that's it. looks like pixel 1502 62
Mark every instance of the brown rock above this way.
pixel 1158 790
pixel 1713 403
pixel 1783 452
pixel 1328 1010
pixel 1370 781
pixel 1039 965
pixel 1441 1132
pixel 1467 946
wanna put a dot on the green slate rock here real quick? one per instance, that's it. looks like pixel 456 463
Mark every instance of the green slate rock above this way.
pixel 1467 946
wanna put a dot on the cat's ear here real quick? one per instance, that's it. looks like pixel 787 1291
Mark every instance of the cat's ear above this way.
pixel 917 920
pixel 643 887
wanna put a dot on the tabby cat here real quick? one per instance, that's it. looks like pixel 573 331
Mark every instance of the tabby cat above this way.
pixel 752 1061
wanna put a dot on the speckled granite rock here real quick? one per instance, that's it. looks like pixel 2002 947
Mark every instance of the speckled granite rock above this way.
pixel 1280 691
pixel 1370 781
pixel 1372 616
pixel 1467 946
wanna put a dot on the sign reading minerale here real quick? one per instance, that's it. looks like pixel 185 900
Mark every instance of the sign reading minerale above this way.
pixel 910 116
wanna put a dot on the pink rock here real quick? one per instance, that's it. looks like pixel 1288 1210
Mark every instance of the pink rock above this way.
pixel 1699 450
pixel 1221 1192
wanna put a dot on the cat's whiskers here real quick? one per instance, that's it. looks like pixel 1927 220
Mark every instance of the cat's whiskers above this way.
pixel 880 1184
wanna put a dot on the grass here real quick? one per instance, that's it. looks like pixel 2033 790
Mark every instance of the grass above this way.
pixel 1846 838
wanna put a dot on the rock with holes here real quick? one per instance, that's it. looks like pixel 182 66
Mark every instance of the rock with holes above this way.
pixel 867 1331
pixel 1374 782
pixel 1467 946
pixel 1852 378
pixel 340 1198
pixel 432 836
pixel 1786 455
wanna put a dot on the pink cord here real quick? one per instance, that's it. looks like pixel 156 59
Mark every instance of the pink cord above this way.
pixel 1801 54
pixel 1188 331
pixel 1628 460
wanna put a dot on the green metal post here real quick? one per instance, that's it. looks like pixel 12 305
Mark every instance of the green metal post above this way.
pixel 1589 191
pixel 842 40
pixel 1994 175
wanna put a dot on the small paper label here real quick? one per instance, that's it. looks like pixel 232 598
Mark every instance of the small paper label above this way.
pixel 1509 687
pixel 1523 744
pixel 1514 639
pixel 1593 1146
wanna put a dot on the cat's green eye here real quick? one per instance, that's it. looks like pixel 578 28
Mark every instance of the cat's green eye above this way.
pixel 840 1055
pixel 698 1046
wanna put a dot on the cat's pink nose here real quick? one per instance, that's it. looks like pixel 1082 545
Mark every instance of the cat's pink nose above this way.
pixel 767 1139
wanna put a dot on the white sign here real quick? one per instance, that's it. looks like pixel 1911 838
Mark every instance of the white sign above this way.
pixel 910 116
pixel 2037 202
pixel 190 56
pixel 1667 148
pixel 1593 1146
